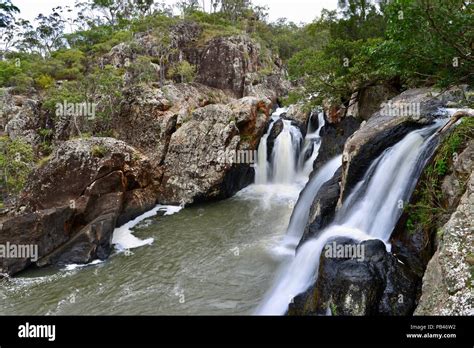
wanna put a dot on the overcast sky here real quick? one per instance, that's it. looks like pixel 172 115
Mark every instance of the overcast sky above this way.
pixel 295 10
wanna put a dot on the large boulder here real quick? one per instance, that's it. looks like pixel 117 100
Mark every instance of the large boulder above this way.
pixel 239 66
pixel 151 115
pixel 366 102
pixel 199 162
pixel 410 110
pixel 226 61
pixel 370 281
pixel 71 204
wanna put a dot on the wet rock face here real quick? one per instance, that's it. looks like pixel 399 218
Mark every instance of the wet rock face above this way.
pixel 411 109
pixel 323 208
pixel 275 132
pixel 333 138
pixel 368 282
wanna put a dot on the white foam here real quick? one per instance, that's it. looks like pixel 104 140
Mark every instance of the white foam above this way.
pixel 123 237
pixel 74 266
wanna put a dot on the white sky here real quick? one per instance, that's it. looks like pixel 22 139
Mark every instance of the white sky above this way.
pixel 295 10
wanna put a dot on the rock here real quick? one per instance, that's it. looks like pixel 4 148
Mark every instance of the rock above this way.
pixel 151 115
pixel 366 102
pixel 372 283
pixel 411 109
pixel 226 61
pixel 198 165
pixel 333 138
pixel 47 229
pixel 323 208
pixel 296 112
pixel 20 116
pixel 75 200
pixel 238 66
pixel 274 133
pixel 447 283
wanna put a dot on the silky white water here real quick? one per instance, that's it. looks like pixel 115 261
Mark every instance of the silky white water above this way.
pixel 262 167
pixel 312 139
pixel 284 155
pixel 370 212
pixel 288 163
pixel 299 218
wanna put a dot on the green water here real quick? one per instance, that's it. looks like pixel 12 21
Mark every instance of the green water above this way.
pixel 213 259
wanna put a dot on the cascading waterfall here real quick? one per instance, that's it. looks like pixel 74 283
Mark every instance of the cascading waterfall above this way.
pixel 288 161
pixel 300 215
pixel 312 140
pixel 284 154
pixel 370 212
pixel 262 167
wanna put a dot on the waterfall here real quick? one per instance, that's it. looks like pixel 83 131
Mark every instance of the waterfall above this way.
pixel 288 161
pixel 262 167
pixel 300 215
pixel 370 212
pixel 285 152
pixel 312 140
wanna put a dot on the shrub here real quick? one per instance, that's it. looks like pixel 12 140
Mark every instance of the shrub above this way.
pixel 16 162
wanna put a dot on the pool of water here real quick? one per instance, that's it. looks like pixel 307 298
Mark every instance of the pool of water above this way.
pixel 212 259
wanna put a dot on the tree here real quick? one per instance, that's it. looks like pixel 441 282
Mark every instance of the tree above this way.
pixel 47 36
pixel 7 11
pixel 234 8
pixel 187 6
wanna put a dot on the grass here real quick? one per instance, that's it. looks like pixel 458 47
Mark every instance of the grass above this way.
pixel 430 203
pixel 99 151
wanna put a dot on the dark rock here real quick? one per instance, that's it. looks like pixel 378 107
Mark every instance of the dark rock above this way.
pixel 333 138
pixel 375 284
pixel 323 208
pixel 274 133
pixel 46 229
pixel 90 243
pixel 367 101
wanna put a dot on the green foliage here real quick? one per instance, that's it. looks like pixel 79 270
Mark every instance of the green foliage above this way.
pixel 16 162
pixel 183 71
pixel 44 81
pixel 429 200
pixel 99 151
pixel 143 70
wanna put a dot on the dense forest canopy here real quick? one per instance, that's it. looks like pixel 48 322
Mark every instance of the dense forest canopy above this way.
pixel 405 42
